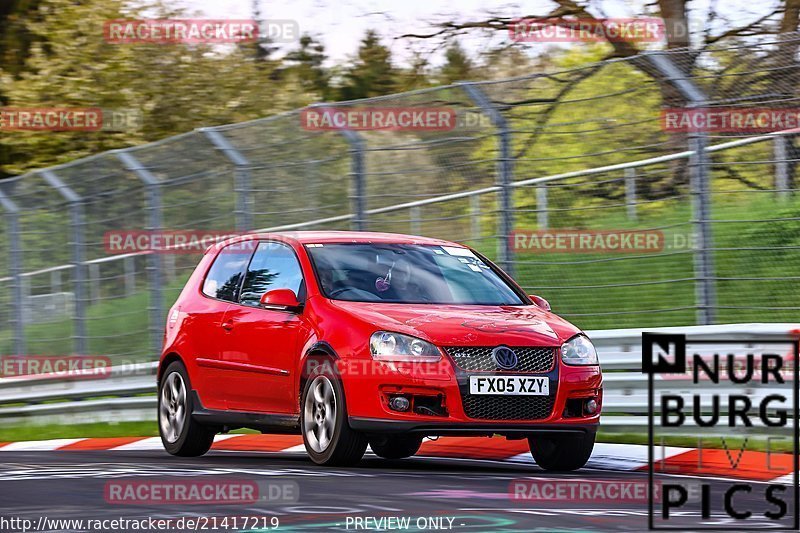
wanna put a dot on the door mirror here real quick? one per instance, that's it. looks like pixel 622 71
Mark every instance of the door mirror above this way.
pixel 540 302
pixel 282 299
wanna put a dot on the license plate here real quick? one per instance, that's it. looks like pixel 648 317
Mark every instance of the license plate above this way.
pixel 509 385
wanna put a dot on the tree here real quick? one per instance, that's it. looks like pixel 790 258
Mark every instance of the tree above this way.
pixel 15 40
pixel 15 44
pixel 306 64
pixel 372 73
pixel 262 49
pixel 416 76
pixel 781 16
pixel 458 66
pixel 174 88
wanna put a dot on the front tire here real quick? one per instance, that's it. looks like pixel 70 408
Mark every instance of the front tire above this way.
pixel 180 434
pixel 395 446
pixel 327 436
pixel 562 453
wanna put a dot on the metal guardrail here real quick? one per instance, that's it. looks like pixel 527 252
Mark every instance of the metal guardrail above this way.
pixel 127 393
pixel 314 223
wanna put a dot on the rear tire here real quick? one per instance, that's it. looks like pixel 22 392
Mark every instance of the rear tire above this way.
pixel 327 436
pixel 180 434
pixel 395 446
pixel 562 453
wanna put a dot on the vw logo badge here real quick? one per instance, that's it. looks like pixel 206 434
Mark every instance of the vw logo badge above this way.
pixel 505 357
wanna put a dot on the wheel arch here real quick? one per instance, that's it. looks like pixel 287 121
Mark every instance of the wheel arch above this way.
pixel 166 361
pixel 319 350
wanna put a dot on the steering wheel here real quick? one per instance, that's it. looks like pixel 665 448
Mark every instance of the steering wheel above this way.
pixel 340 290
pixel 360 294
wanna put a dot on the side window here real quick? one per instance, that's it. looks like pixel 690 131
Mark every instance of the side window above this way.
pixel 274 266
pixel 225 275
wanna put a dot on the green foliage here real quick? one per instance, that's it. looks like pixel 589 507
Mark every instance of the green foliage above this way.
pixel 458 66
pixel 24 432
pixel 306 64
pixel 172 88
pixel 417 75
pixel 372 73
pixel 782 233
pixel 15 40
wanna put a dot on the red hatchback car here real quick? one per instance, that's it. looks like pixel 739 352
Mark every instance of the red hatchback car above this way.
pixel 354 339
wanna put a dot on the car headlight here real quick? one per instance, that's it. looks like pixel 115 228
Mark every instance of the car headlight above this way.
pixel 389 346
pixel 579 350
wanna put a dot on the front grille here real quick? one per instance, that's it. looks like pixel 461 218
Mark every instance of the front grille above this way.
pixel 480 359
pixel 508 407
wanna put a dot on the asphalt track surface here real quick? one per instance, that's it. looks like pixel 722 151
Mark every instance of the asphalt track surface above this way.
pixel 473 493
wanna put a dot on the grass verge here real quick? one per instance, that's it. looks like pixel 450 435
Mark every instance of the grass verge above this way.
pixel 77 431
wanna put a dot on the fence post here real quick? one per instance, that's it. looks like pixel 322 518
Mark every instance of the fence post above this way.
pixel 241 178
pixel 94 283
pixel 542 216
pixel 55 281
pixel 630 193
pixel 705 288
pixel 169 268
pixel 15 271
pixel 359 179
pixel 781 153
pixel 416 220
pixel 77 224
pixel 154 267
pixel 27 311
pixel 475 216
pixel 26 297
pixel 505 171
pixel 130 276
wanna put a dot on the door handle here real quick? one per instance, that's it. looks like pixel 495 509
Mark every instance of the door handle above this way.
pixel 227 325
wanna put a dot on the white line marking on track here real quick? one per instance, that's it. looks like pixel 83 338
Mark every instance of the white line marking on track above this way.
pixel 150 443
pixel 38 445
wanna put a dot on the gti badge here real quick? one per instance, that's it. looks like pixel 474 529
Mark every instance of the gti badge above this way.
pixel 504 357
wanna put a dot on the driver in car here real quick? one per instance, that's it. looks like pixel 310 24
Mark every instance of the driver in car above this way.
pixel 398 285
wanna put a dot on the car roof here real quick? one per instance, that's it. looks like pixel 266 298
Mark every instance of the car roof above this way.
pixel 330 237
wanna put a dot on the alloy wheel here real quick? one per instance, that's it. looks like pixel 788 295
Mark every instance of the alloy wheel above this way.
pixel 172 411
pixel 319 420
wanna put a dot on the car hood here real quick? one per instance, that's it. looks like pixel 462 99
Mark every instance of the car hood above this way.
pixel 466 325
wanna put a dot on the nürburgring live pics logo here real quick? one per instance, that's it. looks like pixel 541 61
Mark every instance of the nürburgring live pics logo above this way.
pixel 744 395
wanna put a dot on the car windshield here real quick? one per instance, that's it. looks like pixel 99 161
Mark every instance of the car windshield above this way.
pixel 408 273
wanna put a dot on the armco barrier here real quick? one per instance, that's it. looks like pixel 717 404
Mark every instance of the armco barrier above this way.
pixel 127 393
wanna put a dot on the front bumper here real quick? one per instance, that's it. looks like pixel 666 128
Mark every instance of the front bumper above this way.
pixel 367 395
pixel 455 429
